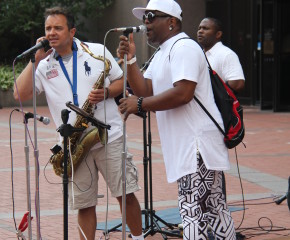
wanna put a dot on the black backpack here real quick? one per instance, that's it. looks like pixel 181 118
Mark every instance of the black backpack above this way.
pixel 229 107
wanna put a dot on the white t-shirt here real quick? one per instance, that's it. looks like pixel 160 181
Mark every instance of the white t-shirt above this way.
pixel 186 129
pixel 51 79
pixel 225 62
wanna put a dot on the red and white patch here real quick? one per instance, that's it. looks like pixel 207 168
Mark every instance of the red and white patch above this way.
pixel 51 74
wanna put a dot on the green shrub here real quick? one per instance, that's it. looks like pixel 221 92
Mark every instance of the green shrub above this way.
pixel 7 76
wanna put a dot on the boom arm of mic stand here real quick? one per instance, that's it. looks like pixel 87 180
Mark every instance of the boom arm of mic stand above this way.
pixel 98 123
pixel 90 118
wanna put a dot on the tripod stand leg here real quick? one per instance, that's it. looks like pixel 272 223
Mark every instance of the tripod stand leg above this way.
pixel 170 225
pixel 159 229
pixel 171 232
pixel 281 199
pixel 114 228
pixel 153 229
pixel 284 197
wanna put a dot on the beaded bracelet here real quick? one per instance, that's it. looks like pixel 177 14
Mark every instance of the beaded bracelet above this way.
pixel 139 105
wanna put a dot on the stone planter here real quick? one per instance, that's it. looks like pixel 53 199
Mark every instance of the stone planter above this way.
pixel 7 100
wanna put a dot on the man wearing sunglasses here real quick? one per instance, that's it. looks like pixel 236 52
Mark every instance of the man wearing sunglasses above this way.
pixel 193 148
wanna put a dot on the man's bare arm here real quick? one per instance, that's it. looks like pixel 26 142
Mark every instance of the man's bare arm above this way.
pixel 237 85
pixel 24 81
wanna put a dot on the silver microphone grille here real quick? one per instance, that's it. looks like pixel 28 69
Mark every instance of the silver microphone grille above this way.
pixel 142 28
pixel 46 120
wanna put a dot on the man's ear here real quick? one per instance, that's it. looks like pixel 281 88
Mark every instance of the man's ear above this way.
pixel 218 35
pixel 173 21
pixel 73 31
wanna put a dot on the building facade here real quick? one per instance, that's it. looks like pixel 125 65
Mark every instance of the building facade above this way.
pixel 257 30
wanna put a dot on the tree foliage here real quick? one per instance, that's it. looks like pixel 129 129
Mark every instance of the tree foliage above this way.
pixel 25 16
pixel 23 20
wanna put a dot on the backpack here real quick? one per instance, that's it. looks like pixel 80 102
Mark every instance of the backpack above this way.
pixel 229 107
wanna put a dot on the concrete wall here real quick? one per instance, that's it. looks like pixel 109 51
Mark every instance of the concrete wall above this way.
pixel 193 13
pixel 120 15
pixel 7 100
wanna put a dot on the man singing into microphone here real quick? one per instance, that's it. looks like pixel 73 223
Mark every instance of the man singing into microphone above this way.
pixel 67 73
pixel 193 148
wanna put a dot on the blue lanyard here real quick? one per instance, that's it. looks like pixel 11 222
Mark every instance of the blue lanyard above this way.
pixel 74 85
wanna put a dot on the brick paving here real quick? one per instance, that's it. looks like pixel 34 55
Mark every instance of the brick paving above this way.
pixel 263 164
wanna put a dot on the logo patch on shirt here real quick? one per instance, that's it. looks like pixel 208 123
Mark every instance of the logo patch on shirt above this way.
pixel 51 74
pixel 87 68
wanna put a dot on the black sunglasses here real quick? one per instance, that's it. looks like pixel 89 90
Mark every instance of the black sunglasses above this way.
pixel 150 16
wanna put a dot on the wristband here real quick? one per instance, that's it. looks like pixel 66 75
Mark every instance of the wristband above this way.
pixel 132 60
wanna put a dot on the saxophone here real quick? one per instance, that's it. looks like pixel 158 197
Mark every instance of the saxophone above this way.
pixel 79 145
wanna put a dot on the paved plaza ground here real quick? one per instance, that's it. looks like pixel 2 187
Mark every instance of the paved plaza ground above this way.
pixel 264 167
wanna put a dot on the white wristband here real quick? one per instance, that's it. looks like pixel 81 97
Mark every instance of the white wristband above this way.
pixel 132 60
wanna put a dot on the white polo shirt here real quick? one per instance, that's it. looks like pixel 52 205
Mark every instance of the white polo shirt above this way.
pixel 225 62
pixel 51 79
pixel 186 129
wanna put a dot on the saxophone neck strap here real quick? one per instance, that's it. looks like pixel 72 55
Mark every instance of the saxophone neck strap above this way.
pixel 74 84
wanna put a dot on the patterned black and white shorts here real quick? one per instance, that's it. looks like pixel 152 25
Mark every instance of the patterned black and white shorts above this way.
pixel 202 204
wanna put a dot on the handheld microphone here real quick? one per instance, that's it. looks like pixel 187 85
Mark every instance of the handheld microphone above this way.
pixel 44 120
pixel 141 28
pixel 44 43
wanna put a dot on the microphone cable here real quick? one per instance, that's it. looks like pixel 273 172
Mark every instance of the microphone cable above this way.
pixel 60 183
pixel 106 233
pixel 265 229
pixel 242 189
pixel 260 227
pixel 12 172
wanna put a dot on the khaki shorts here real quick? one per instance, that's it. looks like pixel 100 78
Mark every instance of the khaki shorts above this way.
pixel 86 177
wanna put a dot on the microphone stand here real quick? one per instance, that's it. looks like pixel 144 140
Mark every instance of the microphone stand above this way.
pixel 149 212
pixel 124 153
pixel 26 150
pixel 65 131
pixel 36 152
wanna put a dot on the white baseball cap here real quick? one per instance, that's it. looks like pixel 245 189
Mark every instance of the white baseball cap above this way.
pixel 170 7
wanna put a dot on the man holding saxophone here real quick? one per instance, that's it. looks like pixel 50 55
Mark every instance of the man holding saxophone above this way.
pixel 67 72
